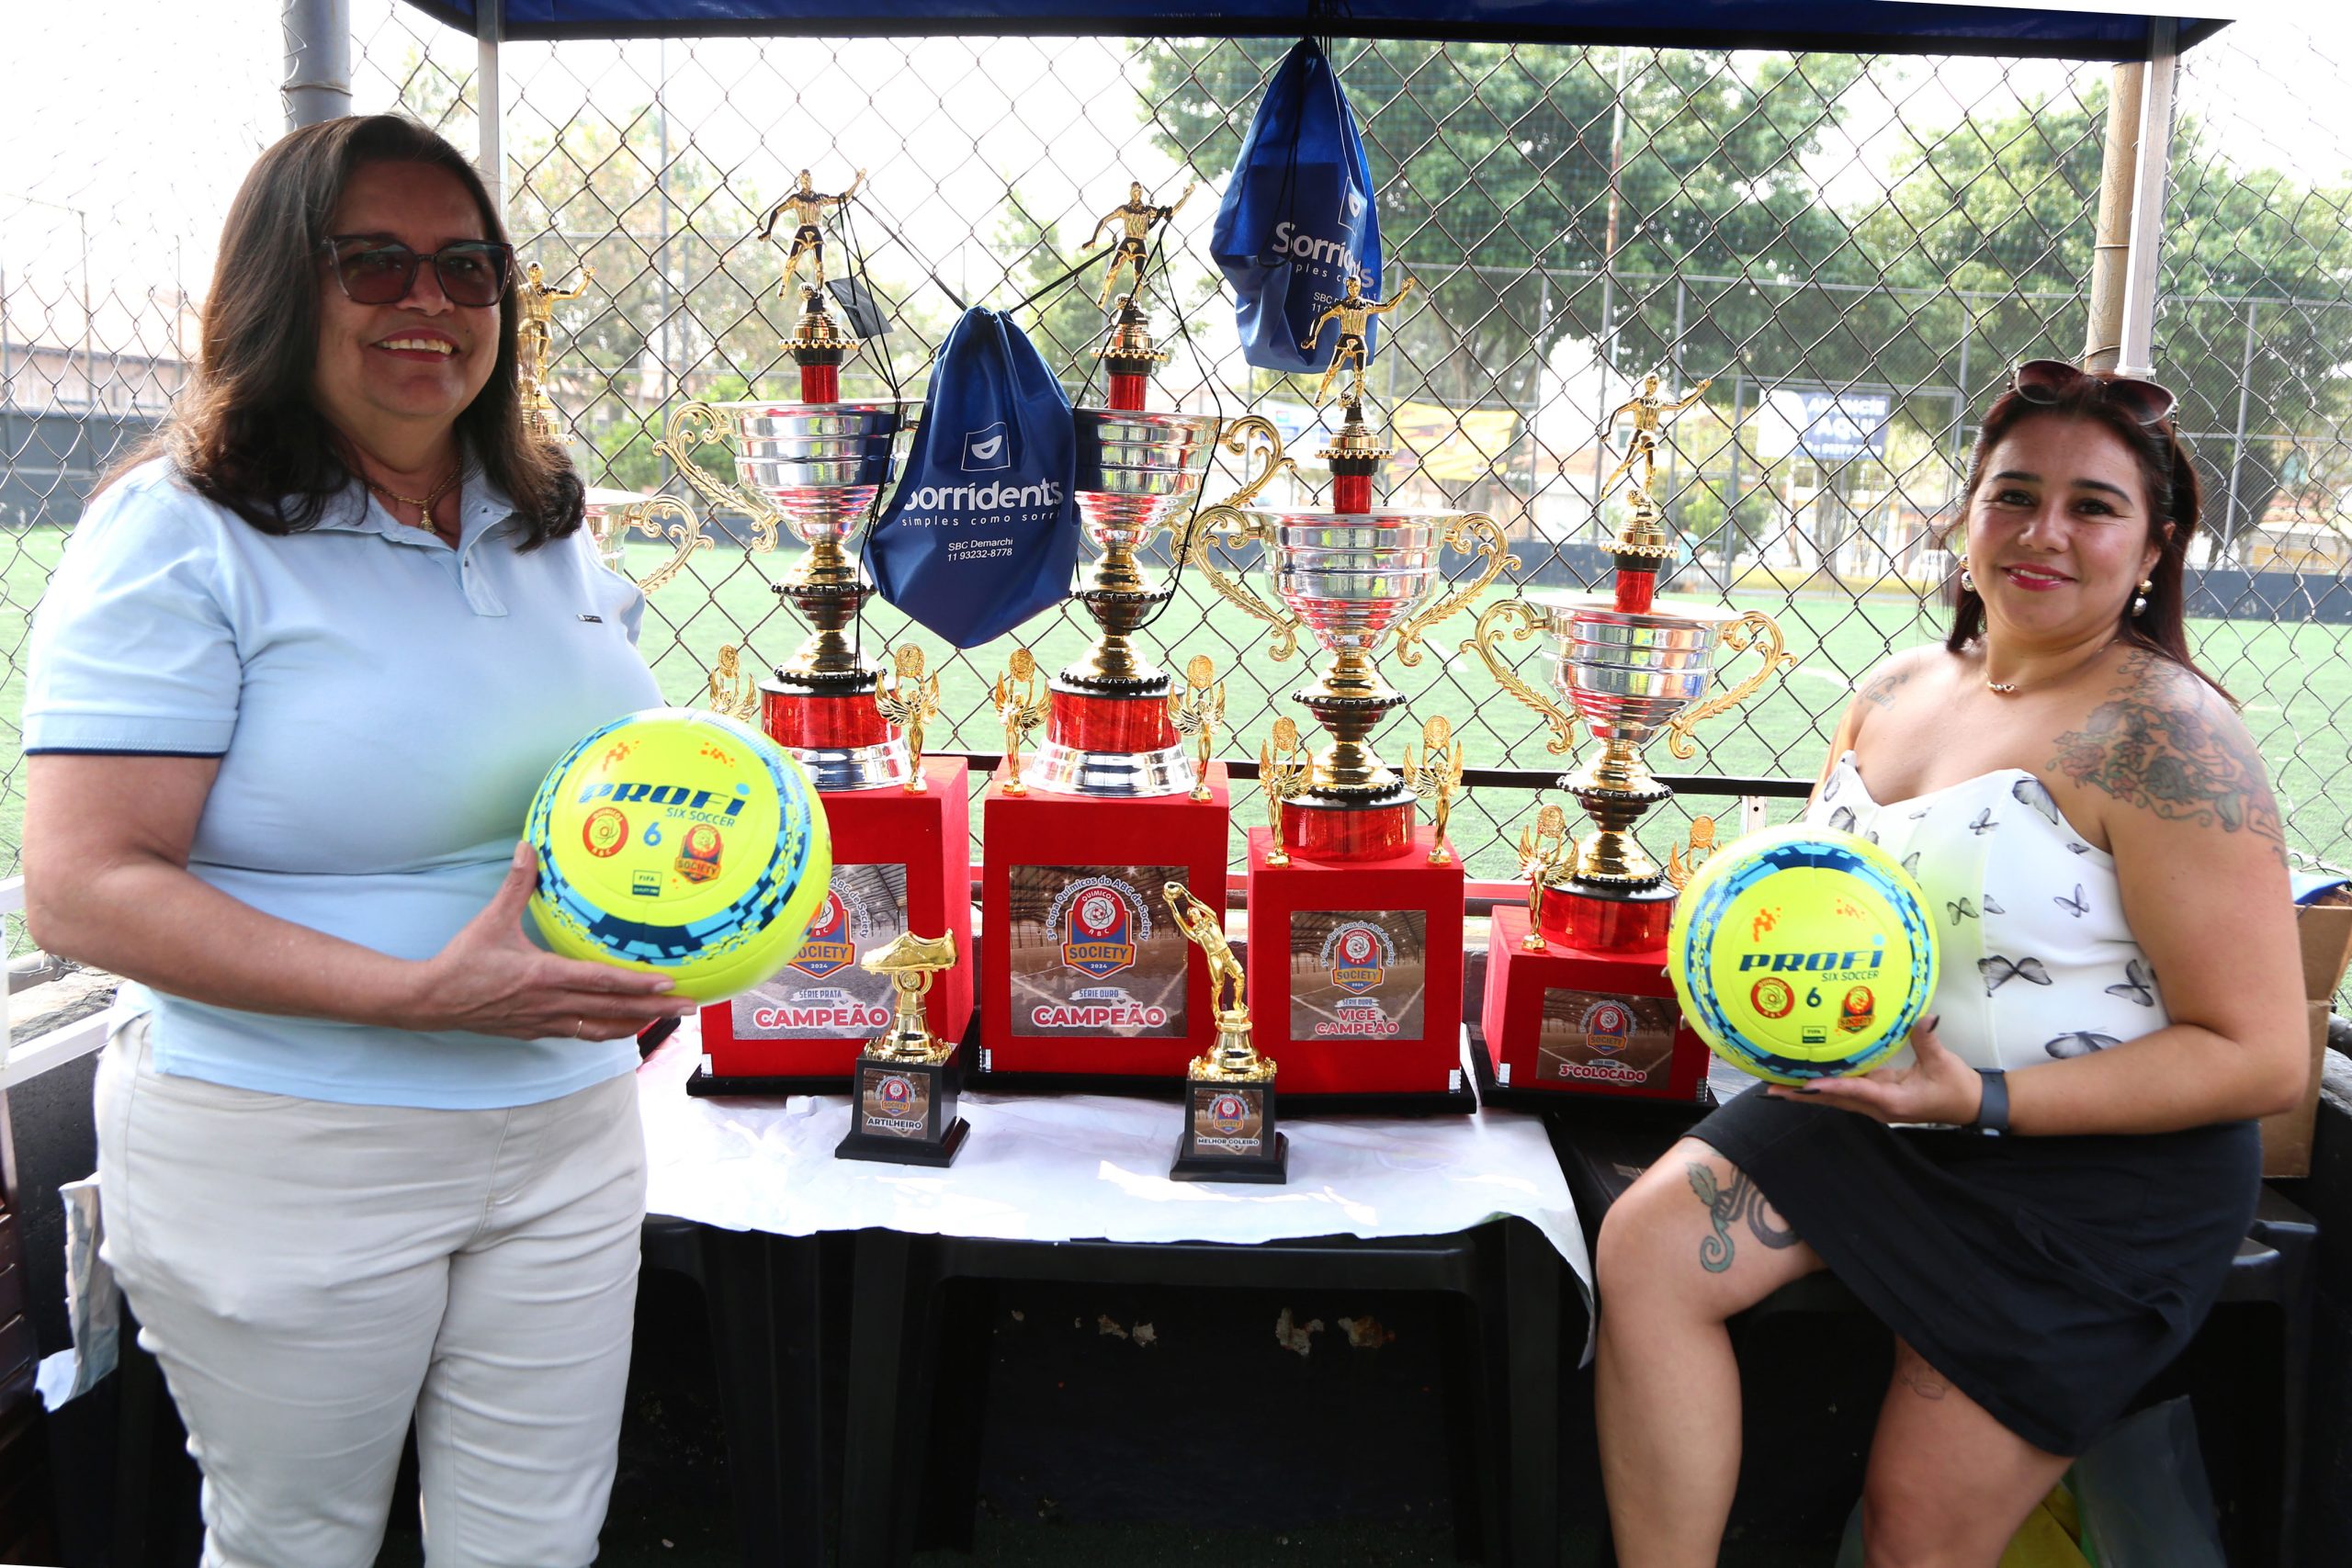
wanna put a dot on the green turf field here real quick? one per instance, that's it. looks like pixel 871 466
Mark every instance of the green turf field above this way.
pixel 2293 681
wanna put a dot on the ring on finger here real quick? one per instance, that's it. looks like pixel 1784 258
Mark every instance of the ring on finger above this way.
pixel 578 1024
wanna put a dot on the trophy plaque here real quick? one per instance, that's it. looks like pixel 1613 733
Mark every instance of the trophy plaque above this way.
pixel 902 1098
pixel 1229 1129
pixel 1575 995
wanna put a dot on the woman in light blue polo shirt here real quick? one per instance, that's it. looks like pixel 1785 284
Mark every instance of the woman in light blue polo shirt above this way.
pixel 369 1155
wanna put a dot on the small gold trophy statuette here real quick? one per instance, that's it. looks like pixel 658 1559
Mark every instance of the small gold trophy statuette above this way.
pixel 907 699
pixel 535 339
pixel 1680 868
pixel 807 206
pixel 1197 712
pixel 1352 312
pixel 903 1105
pixel 1436 771
pixel 1542 851
pixel 1230 1130
pixel 1651 415
pixel 1022 710
pixel 733 690
pixel 1284 772
pixel 1136 217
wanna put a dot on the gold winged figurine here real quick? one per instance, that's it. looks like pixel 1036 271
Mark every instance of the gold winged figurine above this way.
pixel 1437 770
pixel 1197 712
pixel 1542 849
pixel 1679 870
pixel 1284 772
pixel 912 962
pixel 1020 709
pixel 907 699
pixel 733 692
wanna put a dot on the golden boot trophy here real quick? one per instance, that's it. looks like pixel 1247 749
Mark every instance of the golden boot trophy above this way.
pixel 1230 1130
pixel 902 1107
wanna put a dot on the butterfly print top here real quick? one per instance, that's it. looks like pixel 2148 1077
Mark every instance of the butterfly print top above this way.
pixel 2037 961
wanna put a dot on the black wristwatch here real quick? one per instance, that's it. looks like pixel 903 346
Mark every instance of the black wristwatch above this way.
pixel 1993 1111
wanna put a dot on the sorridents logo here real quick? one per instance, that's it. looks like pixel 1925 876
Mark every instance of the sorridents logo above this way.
pixel 987 449
pixel 993 497
pixel 827 949
pixel 1307 248
pixel 1607 1024
pixel 1357 954
pixel 1102 919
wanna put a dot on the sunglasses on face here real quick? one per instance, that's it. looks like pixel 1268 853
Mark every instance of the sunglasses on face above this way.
pixel 2047 381
pixel 381 272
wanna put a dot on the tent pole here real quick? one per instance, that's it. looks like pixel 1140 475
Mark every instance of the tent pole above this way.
pixel 490 26
pixel 318 61
pixel 2154 168
pixel 2111 241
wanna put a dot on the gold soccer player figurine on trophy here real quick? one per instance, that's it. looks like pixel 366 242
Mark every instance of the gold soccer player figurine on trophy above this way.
pixel 902 1108
pixel 1351 313
pixel 807 207
pixel 1136 217
pixel 1651 415
pixel 1229 1132
pixel 534 340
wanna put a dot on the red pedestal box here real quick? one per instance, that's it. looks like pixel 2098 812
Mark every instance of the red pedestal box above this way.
pixel 899 863
pixel 1083 974
pixel 1569 1022
pixel 1355 977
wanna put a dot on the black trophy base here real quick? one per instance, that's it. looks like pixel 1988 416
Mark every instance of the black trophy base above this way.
pixel 1231 1135
pixel 903 1113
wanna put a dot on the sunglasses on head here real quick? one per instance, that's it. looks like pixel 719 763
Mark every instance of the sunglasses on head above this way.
pixel 2047 381
pixel 380 272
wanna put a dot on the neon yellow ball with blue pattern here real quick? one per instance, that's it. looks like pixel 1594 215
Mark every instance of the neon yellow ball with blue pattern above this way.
pixel 682 842
pixel 1802 953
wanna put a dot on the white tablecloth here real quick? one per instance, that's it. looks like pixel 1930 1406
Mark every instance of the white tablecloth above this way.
pixel 1090 1166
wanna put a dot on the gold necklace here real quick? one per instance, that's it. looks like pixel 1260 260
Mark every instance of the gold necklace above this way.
pixel 2010 688
pixel 423 504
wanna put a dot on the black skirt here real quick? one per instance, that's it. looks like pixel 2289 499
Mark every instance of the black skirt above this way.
pixel 2048 1279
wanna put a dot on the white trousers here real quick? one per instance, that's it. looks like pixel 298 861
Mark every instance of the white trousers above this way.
pixel 311 1275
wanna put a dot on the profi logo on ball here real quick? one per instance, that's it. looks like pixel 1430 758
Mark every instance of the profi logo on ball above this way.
pixel 987 449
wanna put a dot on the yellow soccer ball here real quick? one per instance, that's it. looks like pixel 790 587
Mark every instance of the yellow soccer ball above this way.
pixel 1802 953
pixel 683 843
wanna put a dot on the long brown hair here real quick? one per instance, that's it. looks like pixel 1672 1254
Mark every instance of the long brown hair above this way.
pixel 2175 495
pixel 247 430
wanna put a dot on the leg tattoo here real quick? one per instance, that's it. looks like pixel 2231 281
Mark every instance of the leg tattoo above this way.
pixel 1741 1201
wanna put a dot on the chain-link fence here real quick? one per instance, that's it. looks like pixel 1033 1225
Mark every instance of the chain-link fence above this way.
pixel 1848 251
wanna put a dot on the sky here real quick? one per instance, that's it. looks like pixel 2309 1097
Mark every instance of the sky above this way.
pixel 131 122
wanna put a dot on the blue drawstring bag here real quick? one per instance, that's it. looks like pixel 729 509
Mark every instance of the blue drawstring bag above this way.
pixel 982 531
pixel 1297 218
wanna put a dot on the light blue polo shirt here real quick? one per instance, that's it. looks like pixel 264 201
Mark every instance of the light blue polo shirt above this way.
pixel 383 707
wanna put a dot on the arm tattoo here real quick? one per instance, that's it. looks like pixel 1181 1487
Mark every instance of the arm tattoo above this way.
pixel 1740 1201
pixel 1921 1378
pixel 2170 758
pixel 1881 692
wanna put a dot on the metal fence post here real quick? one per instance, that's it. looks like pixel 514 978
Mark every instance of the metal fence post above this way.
pixel 2237 436
pixel 2138 354
pixel 490 101
pixel 318 61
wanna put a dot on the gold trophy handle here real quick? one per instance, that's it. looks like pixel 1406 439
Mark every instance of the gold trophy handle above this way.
pixel 1237 442
pixel 697 425
pixel 1563 722
pixel 1217 526
pixel 1475 534
pixel 684 532
pixel 1753 630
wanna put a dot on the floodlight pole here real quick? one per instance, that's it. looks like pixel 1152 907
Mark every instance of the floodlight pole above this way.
pixel 318 61
pixel 489 99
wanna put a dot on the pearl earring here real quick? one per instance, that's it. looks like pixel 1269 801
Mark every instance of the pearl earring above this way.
pixel 2140 600
pixel 1967 582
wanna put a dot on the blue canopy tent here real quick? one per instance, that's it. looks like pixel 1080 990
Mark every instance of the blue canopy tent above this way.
pixel 1853 27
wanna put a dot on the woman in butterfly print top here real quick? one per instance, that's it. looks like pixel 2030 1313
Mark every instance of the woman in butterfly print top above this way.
pixel 2058 762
